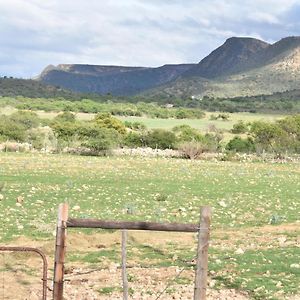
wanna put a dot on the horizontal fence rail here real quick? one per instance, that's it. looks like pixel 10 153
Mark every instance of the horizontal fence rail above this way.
pixel 64 222
pixel 41 254
pixel 94 223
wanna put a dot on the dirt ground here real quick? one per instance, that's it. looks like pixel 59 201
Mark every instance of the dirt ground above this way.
pixel 20 276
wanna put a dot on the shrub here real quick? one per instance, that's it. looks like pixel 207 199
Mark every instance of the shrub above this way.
pixel 186 133
pixel 42 137
pixel 27 119
pixel 105 120
pixel 191 150
pixel 133 140
pixel 11 130
pixel 160 138
pixel 65 117
pixel 239 127
pixel 135 125
pixel 102 139
pixel 269 136
pixel 241 145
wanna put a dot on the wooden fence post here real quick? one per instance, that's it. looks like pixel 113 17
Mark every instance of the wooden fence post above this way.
pixel 124 273
pixel 202 254
pixel 60 249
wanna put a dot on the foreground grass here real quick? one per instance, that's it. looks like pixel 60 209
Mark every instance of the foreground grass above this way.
pixel 244 197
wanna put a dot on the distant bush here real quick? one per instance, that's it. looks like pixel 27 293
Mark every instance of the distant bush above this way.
pixel 185 133
pixel 221 116
pixel 11 130
pixel 27 119
pixel 133 140
pixel 205 143
pixel 238 144
pixel 101 140
pixel 135 125
pixel 239 128
pixel 65 117
pixel 160 138
pixel 42 138
pixel 191 150
pixel 279 137
pixel 105 120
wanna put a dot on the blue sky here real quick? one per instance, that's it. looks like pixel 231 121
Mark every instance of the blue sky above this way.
pixel 36 33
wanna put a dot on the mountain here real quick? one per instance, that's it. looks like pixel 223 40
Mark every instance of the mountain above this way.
pixel 270 69
pixel 116 80
pixel 233 56
pixel 242 66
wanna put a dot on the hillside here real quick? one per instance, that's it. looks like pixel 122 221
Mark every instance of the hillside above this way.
pixel 13 87
pixel 115 80
pixel 233 56
pixel 275 68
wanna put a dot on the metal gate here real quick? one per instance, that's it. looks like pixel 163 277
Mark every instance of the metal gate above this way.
pixel 41 254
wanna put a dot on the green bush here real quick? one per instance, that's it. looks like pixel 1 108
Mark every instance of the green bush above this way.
pixel 27 119
pixel 101 140
pixel 42 137
pixel 11 130
pixel 133 140
pixel 160 138
pixel 239 128
pixel 193 149
pixel 185 133
pixel 105 120
pixel 238 144
pixel 135 125
pixel 65 117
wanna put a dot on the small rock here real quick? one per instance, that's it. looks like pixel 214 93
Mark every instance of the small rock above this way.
pixel 222 203
pixel 1 197
pixel 279 284
pixel 239 251
pixel 20 199
pixel 76 207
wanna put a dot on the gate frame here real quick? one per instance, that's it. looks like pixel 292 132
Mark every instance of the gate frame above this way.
pixel 203 230
pixel 41 254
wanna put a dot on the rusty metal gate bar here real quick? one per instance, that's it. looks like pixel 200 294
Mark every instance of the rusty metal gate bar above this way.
pixel 45 264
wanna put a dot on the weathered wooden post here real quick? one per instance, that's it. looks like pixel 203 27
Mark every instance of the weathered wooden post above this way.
pixel 202 254
pixel 124 258
pixel 60 249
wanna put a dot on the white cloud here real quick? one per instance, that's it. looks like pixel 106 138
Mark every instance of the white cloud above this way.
pixel 35 33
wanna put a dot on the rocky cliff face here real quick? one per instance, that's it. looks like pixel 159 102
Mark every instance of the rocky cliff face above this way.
pixel 116 80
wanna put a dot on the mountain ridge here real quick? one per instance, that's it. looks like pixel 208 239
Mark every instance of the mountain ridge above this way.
pixel 242 66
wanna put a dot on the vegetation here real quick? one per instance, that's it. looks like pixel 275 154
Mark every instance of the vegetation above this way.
pixel 88 106
pixel 105 132
pixel 34 95
pixel 246 198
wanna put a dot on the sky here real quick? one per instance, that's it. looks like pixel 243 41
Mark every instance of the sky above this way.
pixel 37 33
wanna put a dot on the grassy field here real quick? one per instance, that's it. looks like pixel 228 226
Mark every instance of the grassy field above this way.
pixel 202 124
pixel 256 225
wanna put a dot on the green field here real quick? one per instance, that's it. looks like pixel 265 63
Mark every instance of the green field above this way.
pixel 255 208
pixel 202 124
